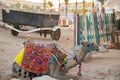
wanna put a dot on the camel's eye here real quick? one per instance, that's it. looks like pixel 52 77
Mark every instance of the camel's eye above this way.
pixel 88 45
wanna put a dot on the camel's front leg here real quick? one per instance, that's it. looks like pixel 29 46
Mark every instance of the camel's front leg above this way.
pixel 52 69
pixel 57 74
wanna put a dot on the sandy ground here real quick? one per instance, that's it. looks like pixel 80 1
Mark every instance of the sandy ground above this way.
pixel 102 66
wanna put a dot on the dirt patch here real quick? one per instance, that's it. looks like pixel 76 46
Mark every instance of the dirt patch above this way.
pixel 102 66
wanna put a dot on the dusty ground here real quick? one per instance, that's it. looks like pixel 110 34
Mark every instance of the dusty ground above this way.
pixel 102 66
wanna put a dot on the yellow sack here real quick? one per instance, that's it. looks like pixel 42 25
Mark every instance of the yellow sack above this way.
pixel 19 57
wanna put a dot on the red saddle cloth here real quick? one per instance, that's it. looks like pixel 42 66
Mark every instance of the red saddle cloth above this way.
pixel 36 57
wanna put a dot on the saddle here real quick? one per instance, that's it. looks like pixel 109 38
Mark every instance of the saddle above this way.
pixel 37 57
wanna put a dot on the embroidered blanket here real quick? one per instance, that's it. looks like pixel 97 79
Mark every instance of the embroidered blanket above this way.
pixel 37 56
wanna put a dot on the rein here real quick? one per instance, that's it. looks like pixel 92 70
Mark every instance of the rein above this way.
pixel 65 50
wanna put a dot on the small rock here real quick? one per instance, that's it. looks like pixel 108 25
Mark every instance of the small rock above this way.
pixel 14 79
pixel 45 77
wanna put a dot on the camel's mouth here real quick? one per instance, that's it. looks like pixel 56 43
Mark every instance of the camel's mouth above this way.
pixel 96 48
pixel 88 46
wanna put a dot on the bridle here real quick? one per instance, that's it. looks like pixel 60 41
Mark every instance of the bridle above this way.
pixel 88 48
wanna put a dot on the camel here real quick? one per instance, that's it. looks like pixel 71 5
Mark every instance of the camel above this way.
pixel 74 57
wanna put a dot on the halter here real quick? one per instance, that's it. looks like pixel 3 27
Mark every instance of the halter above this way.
pixel 88 48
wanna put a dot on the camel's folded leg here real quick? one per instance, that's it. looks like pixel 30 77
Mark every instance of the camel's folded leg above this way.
pixel 67 77
pixel 19 72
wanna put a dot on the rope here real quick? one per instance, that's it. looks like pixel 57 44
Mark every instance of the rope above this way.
pixel 86 49
pixel 56 59
pixel 65 50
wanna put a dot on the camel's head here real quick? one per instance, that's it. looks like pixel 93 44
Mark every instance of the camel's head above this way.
pixel 89 46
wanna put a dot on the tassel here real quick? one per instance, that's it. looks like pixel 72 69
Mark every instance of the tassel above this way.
pixel 28 38
pixel 65 61
pixel 79 73
pixel 63 68
pixel 75 62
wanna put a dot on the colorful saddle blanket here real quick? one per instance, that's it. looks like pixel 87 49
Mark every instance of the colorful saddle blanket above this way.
pixel 36 57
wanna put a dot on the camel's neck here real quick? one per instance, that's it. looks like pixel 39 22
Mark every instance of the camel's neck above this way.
pixel 71 62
